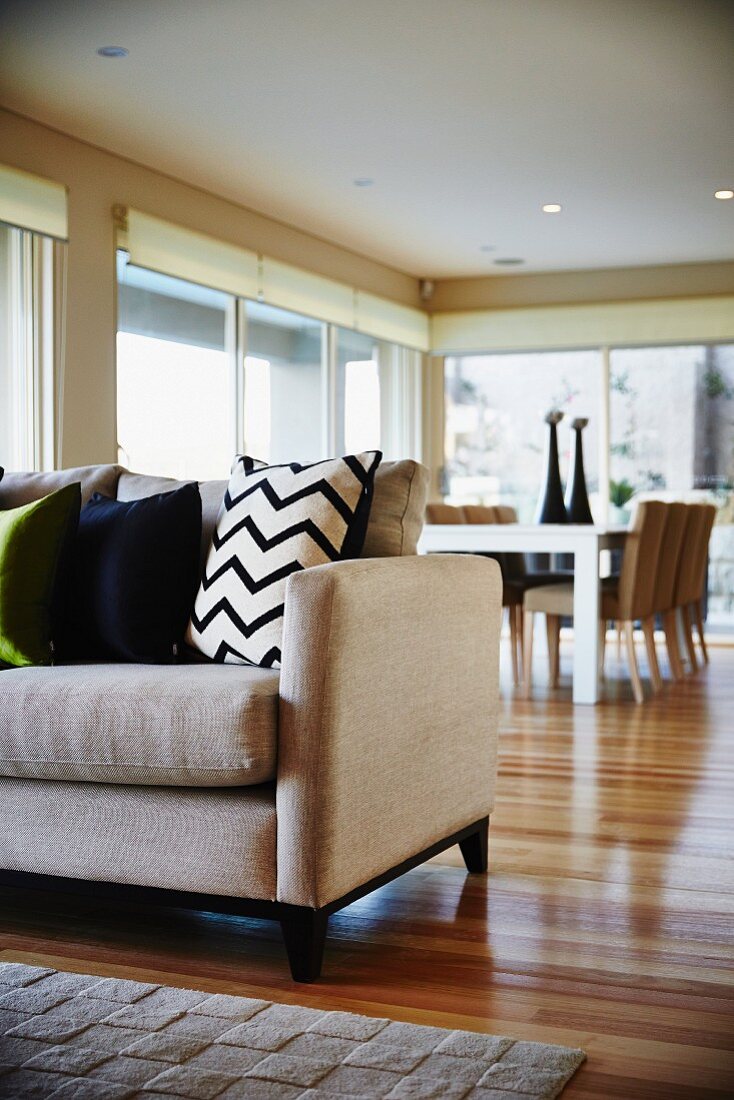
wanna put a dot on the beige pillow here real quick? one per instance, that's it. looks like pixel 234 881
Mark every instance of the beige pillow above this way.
pixel 398 508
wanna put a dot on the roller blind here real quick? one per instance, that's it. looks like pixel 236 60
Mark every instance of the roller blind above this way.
pixel 31 202
pixel 186 254
pixel 669 321
pixel 304 292
pixel 392 321
pixel 172 250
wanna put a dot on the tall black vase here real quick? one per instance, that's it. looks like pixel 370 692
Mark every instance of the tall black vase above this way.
pixel 550 507
pixel 577 498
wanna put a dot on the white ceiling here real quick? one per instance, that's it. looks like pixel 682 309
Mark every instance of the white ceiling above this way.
pixel 468 114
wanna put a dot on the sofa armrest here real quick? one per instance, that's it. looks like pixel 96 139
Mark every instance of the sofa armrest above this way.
pixel 387 736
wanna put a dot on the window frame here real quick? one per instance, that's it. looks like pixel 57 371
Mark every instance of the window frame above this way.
pixel 400 370
pixel 604 411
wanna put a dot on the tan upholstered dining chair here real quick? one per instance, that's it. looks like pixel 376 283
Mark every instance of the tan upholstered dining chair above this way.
pixel 671 553
pixel 444 513
pixel 692 576
pixel 626 599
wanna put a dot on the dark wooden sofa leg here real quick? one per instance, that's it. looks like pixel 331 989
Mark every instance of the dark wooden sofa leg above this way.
pixel 305 938
pixel 475 848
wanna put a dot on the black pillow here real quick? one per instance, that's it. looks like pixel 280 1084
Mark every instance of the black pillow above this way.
pixel 136 571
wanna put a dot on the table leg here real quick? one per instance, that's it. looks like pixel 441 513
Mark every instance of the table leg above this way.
pixel 586 597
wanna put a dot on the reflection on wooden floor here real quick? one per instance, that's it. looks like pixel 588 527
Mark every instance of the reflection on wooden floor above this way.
pixel 607 921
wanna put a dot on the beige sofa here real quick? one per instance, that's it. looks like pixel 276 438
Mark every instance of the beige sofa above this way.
pixel 277 795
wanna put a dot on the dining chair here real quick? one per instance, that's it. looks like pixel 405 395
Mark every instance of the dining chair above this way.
pixel 439 512
pixel 517 567
pixel 625 599
pixel 696 608
pixel 671 552
pixel 692 576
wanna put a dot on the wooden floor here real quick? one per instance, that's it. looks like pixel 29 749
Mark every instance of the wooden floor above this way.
pixel 607 920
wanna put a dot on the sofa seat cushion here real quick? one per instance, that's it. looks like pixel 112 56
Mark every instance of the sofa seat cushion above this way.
pixel 196 725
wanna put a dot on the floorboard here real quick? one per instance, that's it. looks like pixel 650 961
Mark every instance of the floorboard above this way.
pixel 607 920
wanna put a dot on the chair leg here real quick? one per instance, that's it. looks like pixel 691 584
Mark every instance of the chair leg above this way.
pixel 618 624
pixel 305 939
pixel 553 633
pixel 602 645
pixel 670 626
pixel 629 634
pixel 698 616
pixel 648 628
pixel 520 636
pixel 475 849
pixel 513 644
pixel 527 657
pixel 685 613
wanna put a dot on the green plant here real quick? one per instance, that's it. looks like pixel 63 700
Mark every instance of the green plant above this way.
pixel 620 492
pixel 716 385
pixel 620 383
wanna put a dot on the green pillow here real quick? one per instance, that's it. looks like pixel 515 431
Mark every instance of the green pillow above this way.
pixel 32 541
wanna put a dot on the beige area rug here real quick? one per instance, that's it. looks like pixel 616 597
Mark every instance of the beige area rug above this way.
pixel 76 1036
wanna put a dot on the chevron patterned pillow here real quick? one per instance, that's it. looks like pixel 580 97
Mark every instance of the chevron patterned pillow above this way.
pixel 275 520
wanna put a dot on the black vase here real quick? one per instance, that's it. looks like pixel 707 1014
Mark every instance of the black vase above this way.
pixel 577 498
pixel 550 508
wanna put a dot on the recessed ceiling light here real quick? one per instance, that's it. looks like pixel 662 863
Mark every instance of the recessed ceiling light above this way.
pixel 509 261
pixel 724 194
pixel 487 247
pixel 112 51
pixel 552 208
pixel 363 181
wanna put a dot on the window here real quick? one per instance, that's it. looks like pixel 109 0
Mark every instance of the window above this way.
pixel 285 385
pixel 357 402
pixel 672 435
pixel 377 396
pixel 202 374
pixel 495 431
pixel 27 397
pixel 176 377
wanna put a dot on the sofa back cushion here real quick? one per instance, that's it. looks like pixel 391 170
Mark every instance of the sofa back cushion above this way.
pixel 17 489
pixel 396 516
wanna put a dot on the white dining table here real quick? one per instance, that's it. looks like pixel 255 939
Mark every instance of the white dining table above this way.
pixel 584 541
